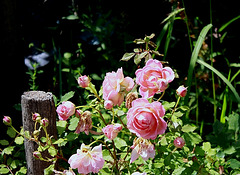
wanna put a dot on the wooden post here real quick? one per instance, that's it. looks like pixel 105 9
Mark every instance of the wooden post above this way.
pixel 42 103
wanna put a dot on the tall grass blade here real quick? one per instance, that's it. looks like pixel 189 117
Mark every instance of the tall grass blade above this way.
pixel 228 23
pixel 172 14
pixel 220 75
pixel 193 60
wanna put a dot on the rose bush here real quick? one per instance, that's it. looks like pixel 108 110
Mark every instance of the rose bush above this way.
pixel 143 136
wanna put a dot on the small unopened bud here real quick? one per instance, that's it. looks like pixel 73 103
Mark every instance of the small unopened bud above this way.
pixel 179 142
pixel 83 81
pixel 108 104
pixel 36 116
pixel 181 91
pixel 7 120
pixel 129 98
pixel 45 122
pixel 37 155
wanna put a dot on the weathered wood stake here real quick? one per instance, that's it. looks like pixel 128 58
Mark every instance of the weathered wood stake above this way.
pixel 42 103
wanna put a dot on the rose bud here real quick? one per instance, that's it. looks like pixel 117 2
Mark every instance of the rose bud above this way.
pixel 179 142
pixel 7 120
pixel 45 122
pixel 36 116
pixel 181 91
pixel 83 81
pixel 37 154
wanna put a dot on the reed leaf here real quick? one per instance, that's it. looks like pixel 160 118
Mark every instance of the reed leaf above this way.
pixel 193 60
pixel 220 75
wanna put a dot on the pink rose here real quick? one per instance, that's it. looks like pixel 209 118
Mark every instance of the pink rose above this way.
pixel 179 142
pixel 145 119
pixel 83 81
pixel 142 147
pixel 115 86
pixel 153 78
pixel 111 131
pixel 181 91
pixel 87 160
pixel 65 110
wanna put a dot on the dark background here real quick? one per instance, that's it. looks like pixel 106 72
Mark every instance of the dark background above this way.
pixel 27 21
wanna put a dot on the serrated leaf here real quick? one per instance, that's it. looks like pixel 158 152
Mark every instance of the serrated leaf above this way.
pixel 52 151
pixel 127 56
pixel 192 138
pixel 8 150
pixel 206 146
pixel 61 126
pixel 23 170
pixel 3 169
pixel 49 170
pixel 73 124
pixel 19 140
pixel 136 59
pixel 67 96
pixel 188 128
pixel 11 132
pixel 4 142
pixel 234 164
pixel 119 143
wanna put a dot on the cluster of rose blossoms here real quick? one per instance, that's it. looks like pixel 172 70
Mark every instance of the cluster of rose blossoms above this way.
pixel 144 119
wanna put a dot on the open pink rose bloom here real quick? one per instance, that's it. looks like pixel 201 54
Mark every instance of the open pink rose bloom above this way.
pixel 65 110
pixel 115 87
pixel 153 78
pixel 145 119
pixel 87 160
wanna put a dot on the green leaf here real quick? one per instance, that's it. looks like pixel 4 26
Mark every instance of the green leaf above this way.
pixel 168 105
pixel 3 169
pixel 188 128
pixel 119 143
pixel 52 151
pixel 193 60
pixel 59 141
pixel 4 142
pixel 192 138
pixel 233 122
pixel 206 146
pixel 8 150
pixel 220 75
pixel 234 164
pixel 67 96
pixel 23 170
pixel 72 136
pixel 11 132
pixel 127 56
pixel 61 126
pixel 19 140
pixel 73 124
pixel 91 88
pixel 49 170
pixel 228 23
pixel 172 14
